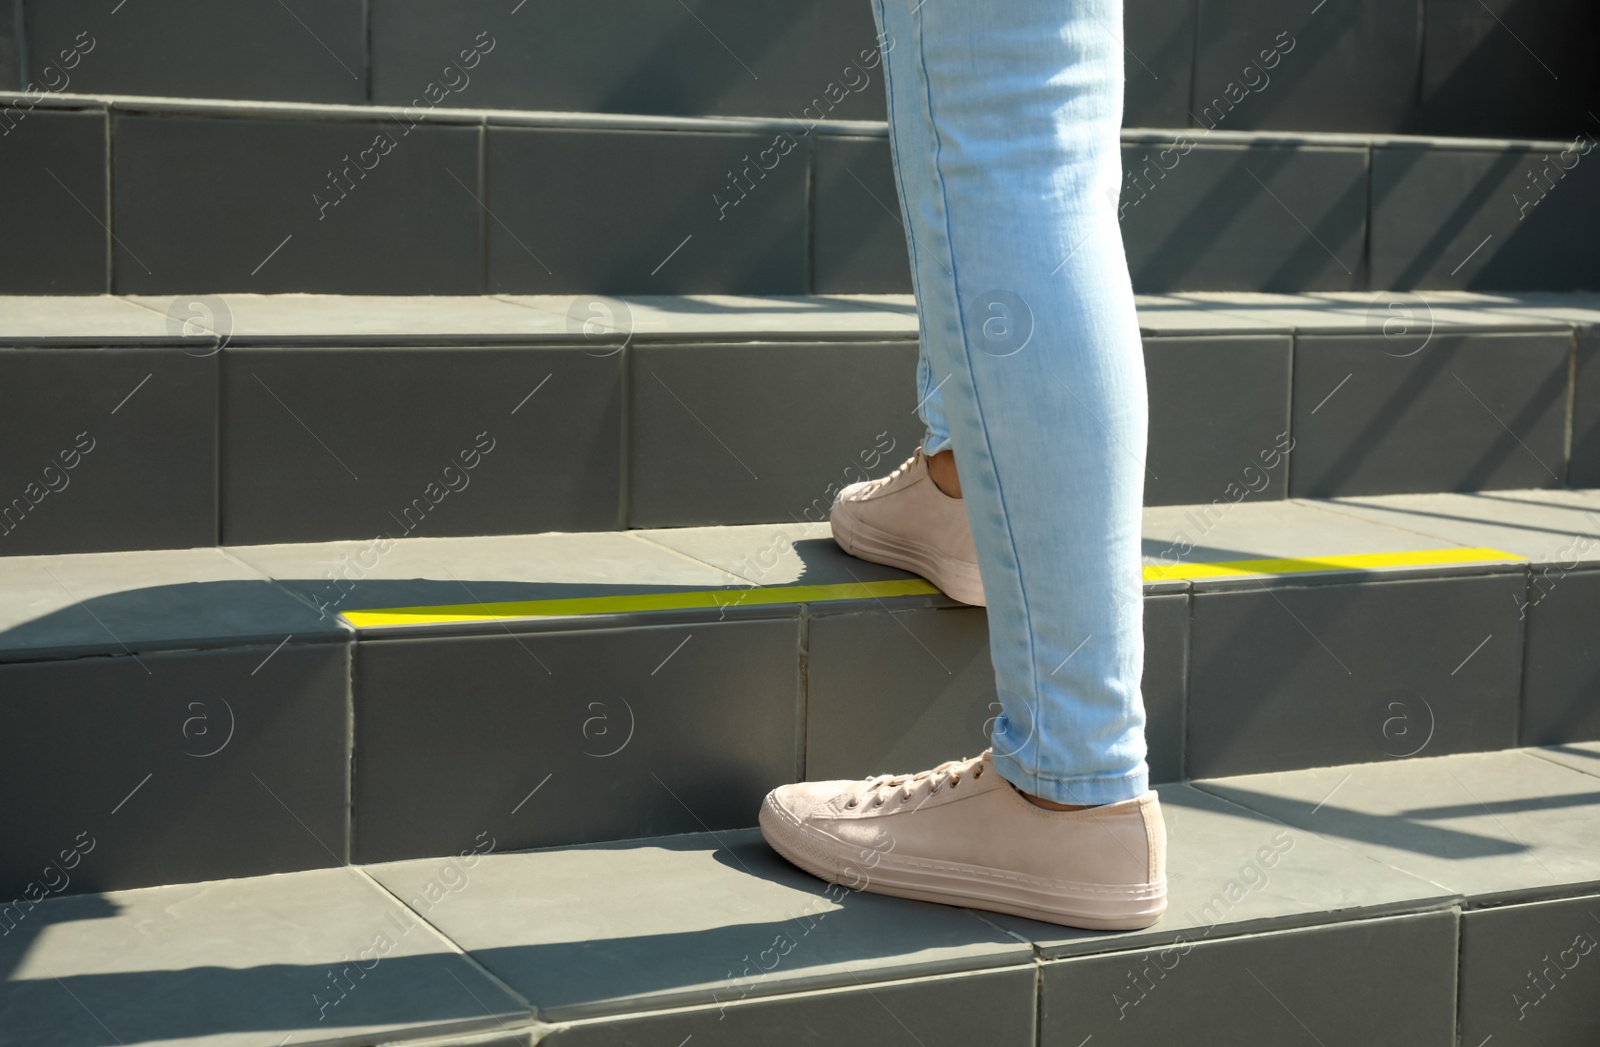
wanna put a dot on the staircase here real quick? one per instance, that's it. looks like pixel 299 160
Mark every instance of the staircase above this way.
pixel 420 422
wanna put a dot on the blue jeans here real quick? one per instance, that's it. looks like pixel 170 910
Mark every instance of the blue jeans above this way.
pixel 1004 119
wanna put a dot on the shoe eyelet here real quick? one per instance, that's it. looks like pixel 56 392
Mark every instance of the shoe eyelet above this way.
pixel 852 803
pixel 879 802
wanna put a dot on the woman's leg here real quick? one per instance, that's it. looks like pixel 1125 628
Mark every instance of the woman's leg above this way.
pixel 1005 122
pixel 1005 119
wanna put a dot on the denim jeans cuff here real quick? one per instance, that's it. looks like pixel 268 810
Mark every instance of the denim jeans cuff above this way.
pixel 1084 791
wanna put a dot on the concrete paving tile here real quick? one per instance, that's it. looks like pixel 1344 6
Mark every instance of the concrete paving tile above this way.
pixel 1227 530
pixel 551 738
pixel 1267 988
pixel 223 204
pixel 1171 315
pixel 1496 219
pixel 1224 217
pixel 1559 527
pixel 117 603
pixel 1495 827
pixel 1394 315
pixel 685 220
pixel 1523 975
pixel 30 319
pixel 427 572
pixel 327 318
pixel 1458 412
pixel 1159 45
pixel 56 244
pixel 205 764
pixel 108 449
pixel 323 956
pixel 699 919
pixel 326 443
pixel 1339 673
pixel 1196 450
pixel 794 553
pixel 708 316
pixel 989 1007
pixel 1258 65
pixel 703 420
pixel 1583 470
pixel 1580 756
pixel 301 51
pixel 711 57
pixel 1232 871
pixel 858 238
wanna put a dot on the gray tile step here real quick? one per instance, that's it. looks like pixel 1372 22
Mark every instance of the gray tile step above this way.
pixel 1424 881
pixel 257 709
pixel 208 196
pixel 250 419
pixel 1383 66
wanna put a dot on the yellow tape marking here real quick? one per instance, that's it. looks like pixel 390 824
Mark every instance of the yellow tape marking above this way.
pixel 702 599
pixel 713 599
pixel 1353 562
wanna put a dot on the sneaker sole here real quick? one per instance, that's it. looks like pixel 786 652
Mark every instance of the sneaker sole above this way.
pixel 957 579
pixel 1095 907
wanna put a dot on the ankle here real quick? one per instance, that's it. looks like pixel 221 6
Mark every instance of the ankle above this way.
pixel 1049 805
pixel 942 471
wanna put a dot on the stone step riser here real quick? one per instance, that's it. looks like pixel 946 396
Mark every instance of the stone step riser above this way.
pixel 148 448
pixel 227 198
pixel 311 751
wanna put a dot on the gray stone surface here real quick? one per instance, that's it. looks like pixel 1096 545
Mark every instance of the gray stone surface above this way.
pixel 107 449
pixel 183 766
pixel 1504 68
pixel 786 553
pixel 56 244
pixel 1562 674
pixel 1270 988
pixel 337 577
pixel 1552 528
pixel 301 51
pixel 323 444
pixel 711 57
pixel 1246 529
pixel 1158 42
pixel 1580 756
pixel 642 212
pixel 561 738
pixel 620 927
pixel 1232 872
pixel 1496 827
pixel 1353 68
pixel 117 603
pixel 715 430
pixel 858 236
pixel 721 317
pixel 1584 469
pixel 213 205
pixel 990 1007
pixel 1348 673
pixel 896 693
pixel 1197 446
pixel 240 963
pixel 1526 973
pixel 1489 220
pixel 1229 218
pixel 1460 412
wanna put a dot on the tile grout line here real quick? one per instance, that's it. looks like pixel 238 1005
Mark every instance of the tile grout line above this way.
pixel 461 950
